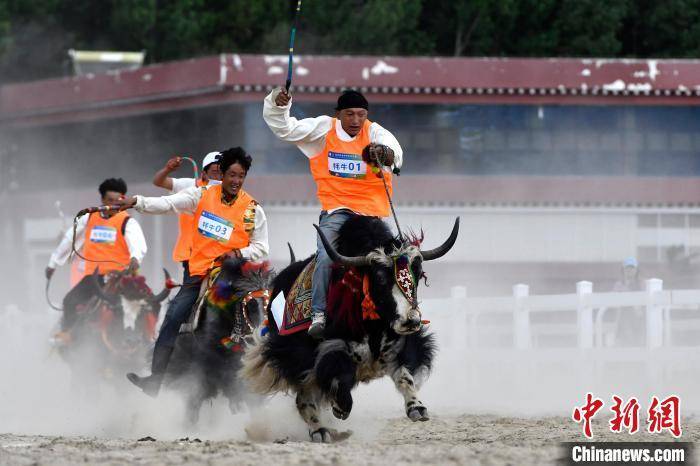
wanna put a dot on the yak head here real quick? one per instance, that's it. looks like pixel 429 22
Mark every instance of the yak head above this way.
pixel 135 296
pixel 245 282
pixel 391 267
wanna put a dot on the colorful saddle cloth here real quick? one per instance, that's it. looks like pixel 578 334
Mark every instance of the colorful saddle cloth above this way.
pixel 192 322
pixel 297 309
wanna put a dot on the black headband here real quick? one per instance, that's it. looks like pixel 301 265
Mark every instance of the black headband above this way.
pixel 352 99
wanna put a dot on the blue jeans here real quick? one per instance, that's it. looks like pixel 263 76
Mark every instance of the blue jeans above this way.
pixel 179 309
pixel 330 226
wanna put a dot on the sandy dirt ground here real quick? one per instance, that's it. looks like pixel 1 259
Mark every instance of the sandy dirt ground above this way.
pixel 496 411
pixel 466 439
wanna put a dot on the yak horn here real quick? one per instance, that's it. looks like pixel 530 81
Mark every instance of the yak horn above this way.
pixel 444 248
pixel 292 257
pixel 360 261
pixel 166 291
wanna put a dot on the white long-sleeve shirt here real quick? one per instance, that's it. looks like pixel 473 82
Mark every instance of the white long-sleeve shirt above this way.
pixel 309 134
pixel 180 184
pixel 133 235
pixel 186 201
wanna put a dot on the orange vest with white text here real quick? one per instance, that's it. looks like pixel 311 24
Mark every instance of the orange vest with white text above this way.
pixel 343 179
pixel 183 246
pixel 218 228
pixel 104 241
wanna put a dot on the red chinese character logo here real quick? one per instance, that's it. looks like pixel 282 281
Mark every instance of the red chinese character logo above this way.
pixel 587 412
pixel 627 416
pixel 665 415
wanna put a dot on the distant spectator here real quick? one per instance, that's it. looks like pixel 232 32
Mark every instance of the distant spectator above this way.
pixel 630 280
pixel 630 322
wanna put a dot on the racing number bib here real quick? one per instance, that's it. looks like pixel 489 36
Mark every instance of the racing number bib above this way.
pixel 103 234
pixel 346 165
pixel 214 227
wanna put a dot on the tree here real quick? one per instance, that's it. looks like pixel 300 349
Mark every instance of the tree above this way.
pixel 374 27
pixel 662 29
pixel 35 34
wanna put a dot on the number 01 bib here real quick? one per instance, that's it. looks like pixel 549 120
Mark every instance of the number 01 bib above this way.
pixel 342 178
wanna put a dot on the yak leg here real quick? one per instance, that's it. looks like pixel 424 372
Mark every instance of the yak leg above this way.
pixel 308 406
pixel 193 407
pixel 335 375
pixel 405 384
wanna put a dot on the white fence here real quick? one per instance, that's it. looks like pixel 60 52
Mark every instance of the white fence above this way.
pixel 523 321
pixel 535 352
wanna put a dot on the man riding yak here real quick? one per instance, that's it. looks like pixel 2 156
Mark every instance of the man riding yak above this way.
pixel 341 152
pixel 111 241
pixel 228 223
pixel 366 316
pixel 210 174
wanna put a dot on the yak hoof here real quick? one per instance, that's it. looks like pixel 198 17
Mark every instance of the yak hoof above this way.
pixel 321 435
pixel 340 414
pixel 418 413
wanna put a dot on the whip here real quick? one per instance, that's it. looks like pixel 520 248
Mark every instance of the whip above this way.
pixel 48 299
pixel 62 216
pixel 292 36
pixel 194 166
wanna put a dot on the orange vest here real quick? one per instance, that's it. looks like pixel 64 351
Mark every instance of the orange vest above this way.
pixel 183 246
pixel 218 228
pixel 77 270
pixel 343 179
pixel 104 241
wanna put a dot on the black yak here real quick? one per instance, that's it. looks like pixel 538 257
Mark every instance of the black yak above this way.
pixel 206 359
pixel 374 327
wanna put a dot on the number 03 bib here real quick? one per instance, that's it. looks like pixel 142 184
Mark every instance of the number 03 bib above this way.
pixel 219 228
pixel 215 227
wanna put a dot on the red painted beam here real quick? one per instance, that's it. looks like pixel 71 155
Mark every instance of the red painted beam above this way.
pixel 233 78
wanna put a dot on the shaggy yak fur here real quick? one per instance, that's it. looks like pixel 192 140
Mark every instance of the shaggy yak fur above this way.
pixel 201 367
pixel 353 350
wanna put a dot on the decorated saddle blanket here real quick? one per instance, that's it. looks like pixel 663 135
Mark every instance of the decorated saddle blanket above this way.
pixel 192 322
pixel 297 309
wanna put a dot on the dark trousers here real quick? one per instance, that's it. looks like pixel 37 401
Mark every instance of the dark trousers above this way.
pixel 179 309
pixel 80 294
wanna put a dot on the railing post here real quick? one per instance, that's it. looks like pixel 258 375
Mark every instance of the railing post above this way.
pixel 654 315
pixel 585 315
pixel 521 317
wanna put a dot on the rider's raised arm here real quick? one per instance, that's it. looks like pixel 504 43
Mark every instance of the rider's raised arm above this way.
pixel 308 134
pixel 259 248
pixel 162 177
pixel 381 135
pixel 135 240
pixel 63 250
pixel 184 202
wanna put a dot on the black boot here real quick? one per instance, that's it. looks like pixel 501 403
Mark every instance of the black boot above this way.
pixel 151 384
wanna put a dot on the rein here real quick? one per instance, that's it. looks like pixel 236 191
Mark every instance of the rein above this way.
pixel 380 173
